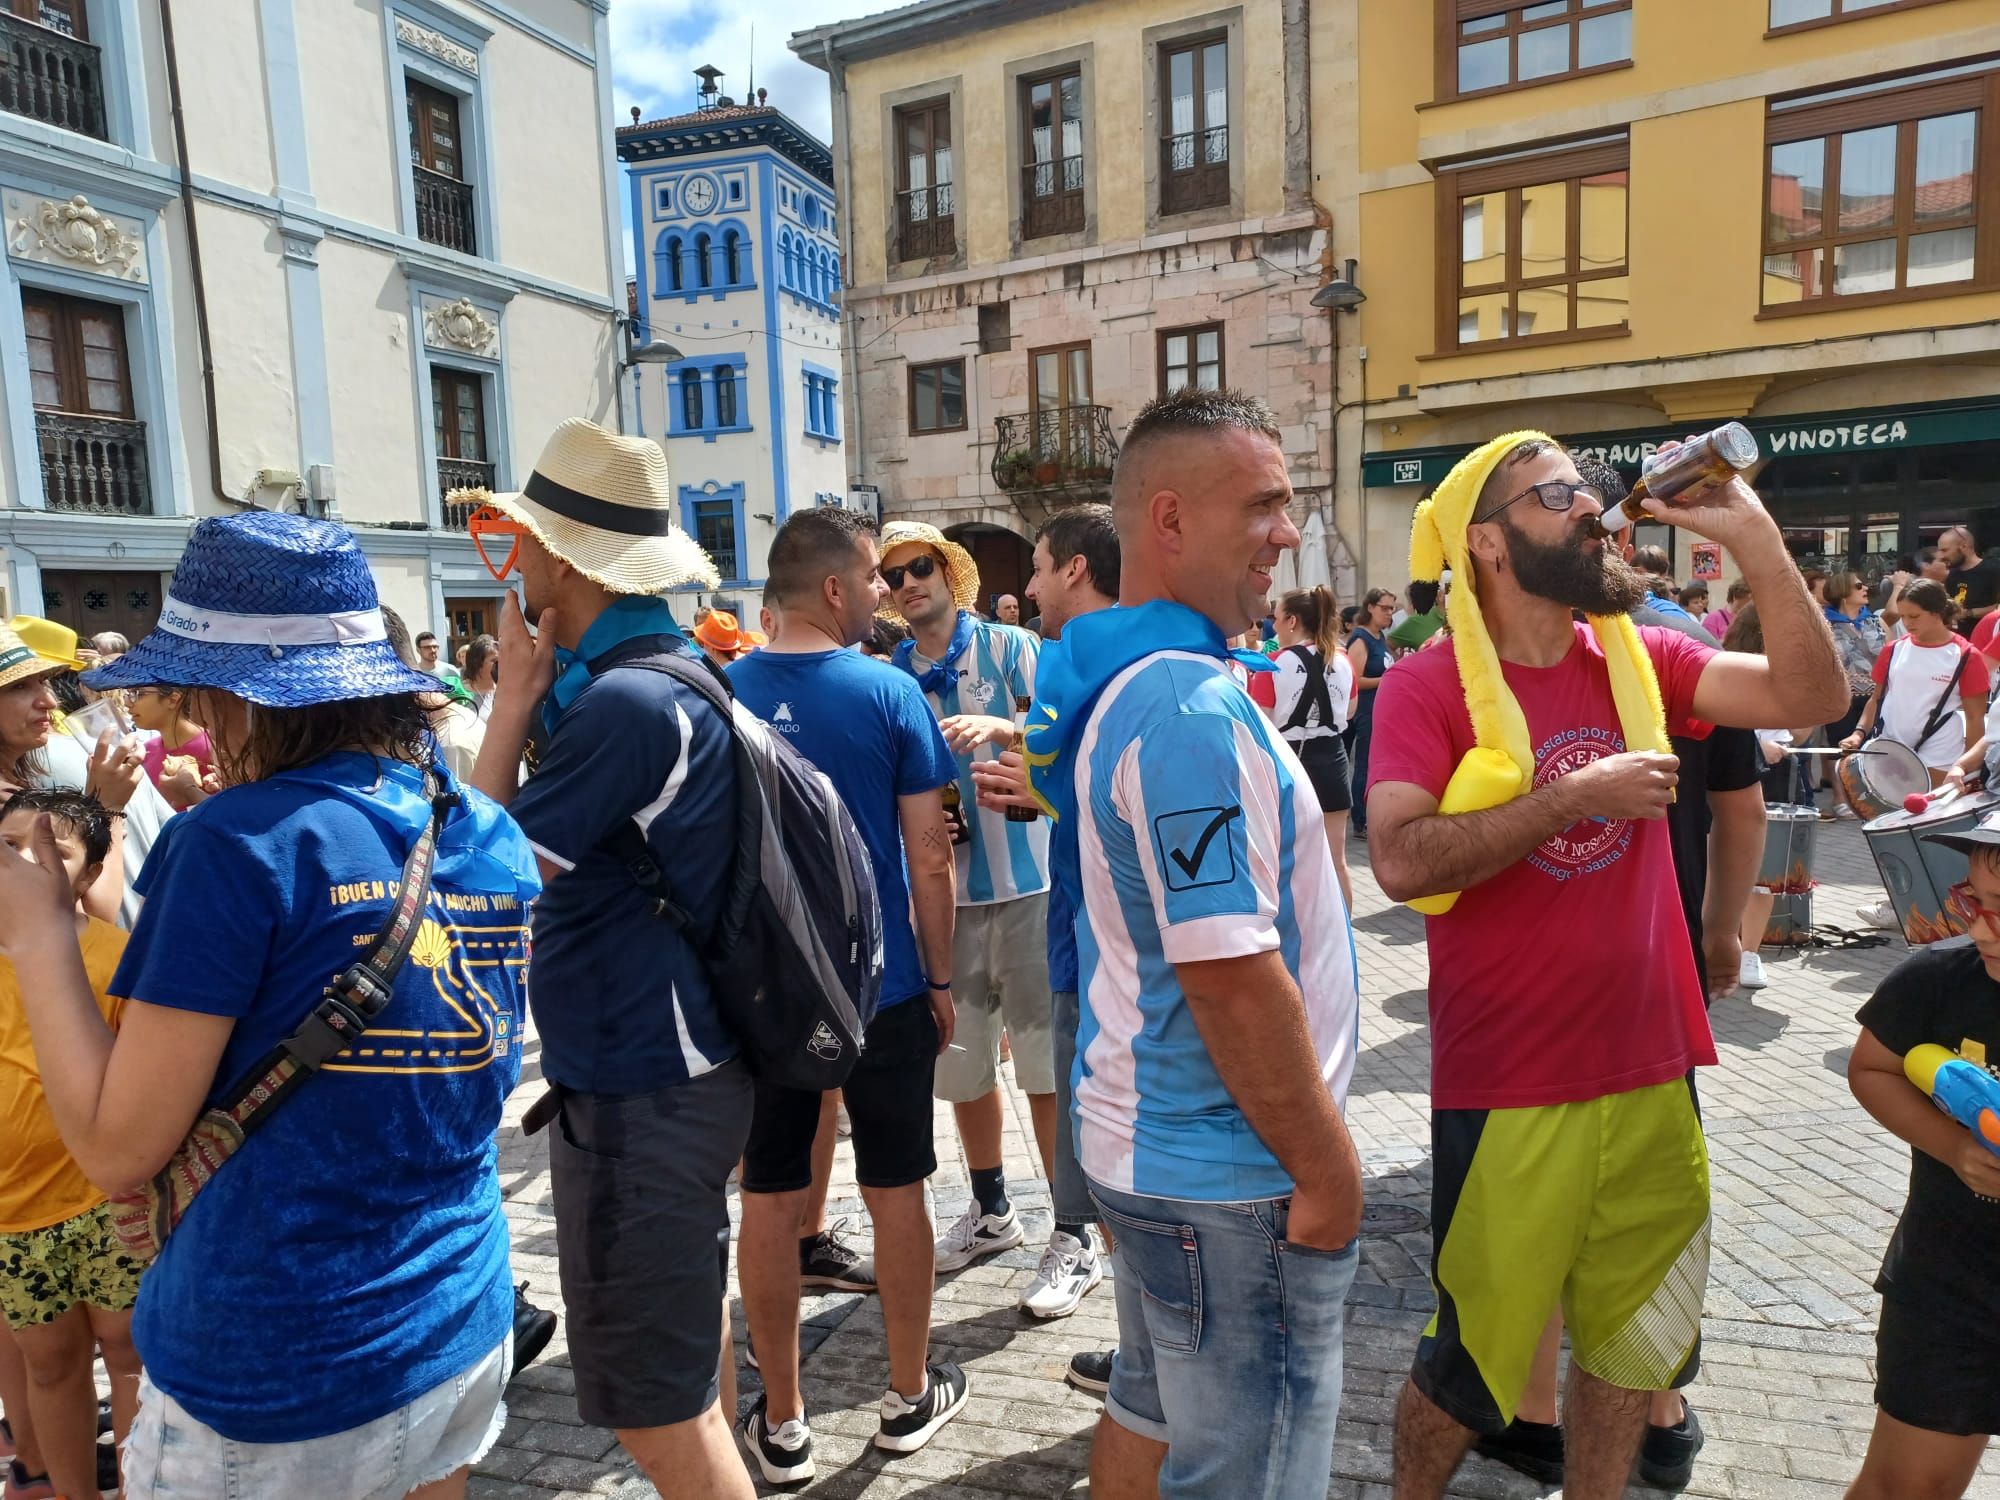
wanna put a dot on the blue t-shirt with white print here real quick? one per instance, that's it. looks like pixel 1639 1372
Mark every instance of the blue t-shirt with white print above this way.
pixel 1003 860
pixel 1199 837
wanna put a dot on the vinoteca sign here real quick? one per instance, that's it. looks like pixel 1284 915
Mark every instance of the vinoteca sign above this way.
pixel 1775 441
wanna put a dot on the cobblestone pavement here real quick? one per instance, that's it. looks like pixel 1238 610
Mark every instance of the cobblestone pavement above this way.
pixel 1806 1190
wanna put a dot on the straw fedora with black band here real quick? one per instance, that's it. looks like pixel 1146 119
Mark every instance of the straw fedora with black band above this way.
pixel 602 503
pixel 960 571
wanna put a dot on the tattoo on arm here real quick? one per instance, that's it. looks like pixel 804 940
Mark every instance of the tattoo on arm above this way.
pixel 933 837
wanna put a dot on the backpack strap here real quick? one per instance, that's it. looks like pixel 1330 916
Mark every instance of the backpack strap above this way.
pixel 1941 710
pixel 1316 696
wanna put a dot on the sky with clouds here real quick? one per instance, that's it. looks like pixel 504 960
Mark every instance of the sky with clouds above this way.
pixel 657 44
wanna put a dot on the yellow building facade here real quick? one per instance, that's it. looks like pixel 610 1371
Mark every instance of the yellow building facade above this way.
pixel 1625 220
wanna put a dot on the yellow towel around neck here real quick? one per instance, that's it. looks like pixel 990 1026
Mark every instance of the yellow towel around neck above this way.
pixel 1501 764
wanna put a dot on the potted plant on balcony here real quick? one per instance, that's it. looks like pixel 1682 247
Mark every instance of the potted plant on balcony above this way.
pixel 1047 469
pixel 1014 469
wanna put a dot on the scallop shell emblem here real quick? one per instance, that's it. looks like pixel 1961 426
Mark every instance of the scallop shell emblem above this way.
pixel 432 948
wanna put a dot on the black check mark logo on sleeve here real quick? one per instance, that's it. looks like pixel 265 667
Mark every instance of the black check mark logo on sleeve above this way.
pixel 1189 863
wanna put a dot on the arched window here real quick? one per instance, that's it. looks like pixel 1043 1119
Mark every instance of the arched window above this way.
pixel 788 261
pixel 833 292
pixel 691 400
pixel 725 397
pixel 732 258
pixel 704 273
pixel 824 286
pixel 670 261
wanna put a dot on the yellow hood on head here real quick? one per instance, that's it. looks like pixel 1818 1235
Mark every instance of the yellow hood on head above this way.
pixel 1501 764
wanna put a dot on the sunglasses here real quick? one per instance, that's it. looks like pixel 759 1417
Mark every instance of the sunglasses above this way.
pixel 1554 495
pixel 916 567
pixel 1961 903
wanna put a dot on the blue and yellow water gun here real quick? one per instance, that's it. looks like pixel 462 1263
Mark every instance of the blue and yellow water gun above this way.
pixel 1963 1090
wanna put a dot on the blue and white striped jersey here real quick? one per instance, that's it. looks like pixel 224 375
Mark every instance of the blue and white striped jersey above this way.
pixel 996 675
pixel 1199 838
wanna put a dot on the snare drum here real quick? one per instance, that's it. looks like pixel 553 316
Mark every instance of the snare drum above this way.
pixel 1876 778
pixel 1917 873
pixel 1789 833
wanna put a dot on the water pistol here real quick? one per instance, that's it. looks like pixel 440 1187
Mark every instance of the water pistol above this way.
pixel 1963 1090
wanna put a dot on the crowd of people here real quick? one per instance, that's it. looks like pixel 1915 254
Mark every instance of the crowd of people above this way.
pixel 278 865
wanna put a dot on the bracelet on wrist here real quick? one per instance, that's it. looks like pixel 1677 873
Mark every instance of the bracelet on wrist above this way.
pixel 934 984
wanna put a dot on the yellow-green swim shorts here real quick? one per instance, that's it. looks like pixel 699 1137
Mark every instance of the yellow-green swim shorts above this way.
pixel 1601 1205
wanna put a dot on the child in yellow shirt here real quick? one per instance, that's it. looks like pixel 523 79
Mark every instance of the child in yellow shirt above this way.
pixel 65 1286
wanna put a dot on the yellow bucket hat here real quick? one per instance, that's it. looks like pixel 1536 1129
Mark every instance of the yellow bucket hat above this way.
pixel 1501 764
pixel 48 640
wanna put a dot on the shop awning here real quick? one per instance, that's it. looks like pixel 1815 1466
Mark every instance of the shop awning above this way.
pixel 1866 428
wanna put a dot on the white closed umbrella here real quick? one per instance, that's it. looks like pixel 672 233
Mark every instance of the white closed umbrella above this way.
pixel 1313 570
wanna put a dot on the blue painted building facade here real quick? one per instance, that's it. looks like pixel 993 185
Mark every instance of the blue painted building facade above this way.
pixel 736 250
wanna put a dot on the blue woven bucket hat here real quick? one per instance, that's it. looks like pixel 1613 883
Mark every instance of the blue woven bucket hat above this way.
pixel 279 610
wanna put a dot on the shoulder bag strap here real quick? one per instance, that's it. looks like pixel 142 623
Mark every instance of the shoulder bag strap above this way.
pixel 1942 709
pixel 354 999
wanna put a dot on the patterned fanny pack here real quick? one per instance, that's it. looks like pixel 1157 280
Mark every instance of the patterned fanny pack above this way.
pixel 144 1217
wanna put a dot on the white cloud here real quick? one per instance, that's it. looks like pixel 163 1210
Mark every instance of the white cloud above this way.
pixel 657 44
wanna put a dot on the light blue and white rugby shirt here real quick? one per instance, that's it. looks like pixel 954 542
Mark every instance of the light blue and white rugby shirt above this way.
pixel 1199 838
pixel 1004 860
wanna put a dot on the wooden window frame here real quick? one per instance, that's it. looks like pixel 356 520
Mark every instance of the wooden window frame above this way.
pixel 444 381
pixel 1567 166
pixel 72 378
pixel 1211 172
pixel 1034 400
pixel 1840 18
pixel 964 415
pixel 416 89
pixel 1787 123
pixel 1065 203
pixel 1190 331
pixel 932 110
pixel 1451 13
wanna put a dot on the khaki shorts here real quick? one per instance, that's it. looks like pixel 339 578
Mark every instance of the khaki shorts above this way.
pixel 46 1272
pixel 1000 980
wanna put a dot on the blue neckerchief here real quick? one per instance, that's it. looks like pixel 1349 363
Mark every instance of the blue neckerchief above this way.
pixel 1072 671
pixel 1667 605
pixel 630 617
pixel 1835 617
pixel 1256 661
pixel 936 678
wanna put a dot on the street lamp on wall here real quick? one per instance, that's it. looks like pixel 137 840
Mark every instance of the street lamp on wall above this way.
pixel 636 354
pixel 1341 294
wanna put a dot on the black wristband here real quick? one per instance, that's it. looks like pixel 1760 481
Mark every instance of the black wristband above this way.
pixel 932 984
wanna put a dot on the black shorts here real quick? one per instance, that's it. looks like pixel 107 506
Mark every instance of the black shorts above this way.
pixel 1937 1372
pixel 1325 760
pixel 641 1184
pixel 888 1098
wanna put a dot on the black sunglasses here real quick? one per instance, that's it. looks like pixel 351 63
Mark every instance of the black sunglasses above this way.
pixel 917 567
pixel 1554 495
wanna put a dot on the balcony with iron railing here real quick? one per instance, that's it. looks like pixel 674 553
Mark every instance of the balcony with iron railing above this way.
pixel 50 77
pixel 1052 197
pixel 461 474
pixel 1058 447
pixel 924 222
pixel 94 466
pixel 446 214
pixel 1194 170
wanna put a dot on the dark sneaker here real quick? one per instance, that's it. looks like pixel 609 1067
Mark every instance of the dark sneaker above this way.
pixel 108 1477
pixel 1090 1371
pixel 21 1485
pixel 1666 1458
pixel 785 1456
pixel 533 1328
pixel 908 1425
pixel 1531 1448
pixel 828 1260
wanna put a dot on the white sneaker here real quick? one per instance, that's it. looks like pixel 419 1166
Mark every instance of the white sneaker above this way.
pixel 1750 974
pixel 976 1236
pixel 1070 1268
pixel 1881 914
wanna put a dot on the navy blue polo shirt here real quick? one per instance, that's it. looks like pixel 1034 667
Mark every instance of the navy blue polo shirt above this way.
pixel 621 1000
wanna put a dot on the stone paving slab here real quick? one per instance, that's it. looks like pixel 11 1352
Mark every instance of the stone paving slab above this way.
pixel 1806 1189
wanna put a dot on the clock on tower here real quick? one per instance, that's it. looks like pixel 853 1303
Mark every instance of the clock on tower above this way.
pixel 698 194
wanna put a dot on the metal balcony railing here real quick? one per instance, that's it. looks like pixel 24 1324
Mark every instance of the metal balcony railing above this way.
pixel 1058 447
pixel 1194 170
pixel 460 474
pixel 94 466
pixel 1052 197
pixel 50 77
pixel 445 213
pixel 924 222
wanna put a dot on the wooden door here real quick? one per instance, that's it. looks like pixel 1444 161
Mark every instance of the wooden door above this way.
pixel 89 602
pixel 466 619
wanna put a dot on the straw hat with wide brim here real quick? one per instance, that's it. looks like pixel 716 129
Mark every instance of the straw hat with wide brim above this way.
pixel 960 571
pixel 19 661
pixel 603 505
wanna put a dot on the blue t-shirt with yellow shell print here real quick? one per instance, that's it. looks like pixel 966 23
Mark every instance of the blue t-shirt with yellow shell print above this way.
pixel 352 1255
pixel 995 675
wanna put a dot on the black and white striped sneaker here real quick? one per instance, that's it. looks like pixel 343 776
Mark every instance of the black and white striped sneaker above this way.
pixel 784 1455
pixel 908 1425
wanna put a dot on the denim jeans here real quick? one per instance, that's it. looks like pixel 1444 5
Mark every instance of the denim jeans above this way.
pixel 1229 1344
pixel 172 1456
pixel 1071 1189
